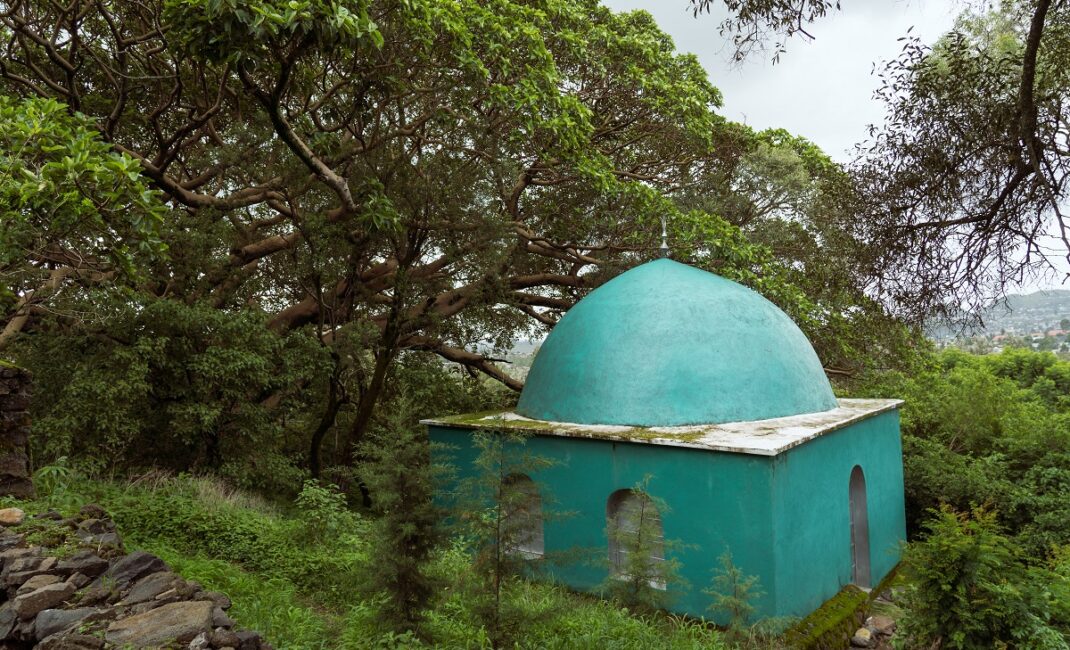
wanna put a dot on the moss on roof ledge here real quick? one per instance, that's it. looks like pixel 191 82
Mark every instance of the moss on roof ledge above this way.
pixel 759 437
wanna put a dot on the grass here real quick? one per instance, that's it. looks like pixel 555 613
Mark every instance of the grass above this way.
pixel 300 586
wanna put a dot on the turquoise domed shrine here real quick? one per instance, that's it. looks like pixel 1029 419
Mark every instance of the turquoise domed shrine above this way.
pixel 666 344
pixel 711 391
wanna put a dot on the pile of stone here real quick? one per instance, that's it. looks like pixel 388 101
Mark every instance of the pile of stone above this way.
pixel 81 591
pixel 876 632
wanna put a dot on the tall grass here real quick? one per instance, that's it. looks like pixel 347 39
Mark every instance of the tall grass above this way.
pixel 299 584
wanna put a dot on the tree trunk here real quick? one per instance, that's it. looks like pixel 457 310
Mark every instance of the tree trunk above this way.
pixel 334 403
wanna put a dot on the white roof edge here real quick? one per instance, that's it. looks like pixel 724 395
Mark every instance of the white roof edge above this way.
pixel 757 437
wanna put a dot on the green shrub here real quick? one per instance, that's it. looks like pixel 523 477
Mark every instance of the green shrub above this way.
pixel 969 587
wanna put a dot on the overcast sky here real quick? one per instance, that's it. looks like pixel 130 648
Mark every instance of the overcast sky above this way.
pixel 821 89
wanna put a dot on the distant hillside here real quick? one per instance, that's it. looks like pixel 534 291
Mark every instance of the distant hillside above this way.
pixel 1027 313
pixel 1015 315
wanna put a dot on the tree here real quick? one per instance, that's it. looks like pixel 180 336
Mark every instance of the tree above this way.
pixel 386 176
pixel 753 22
pixel 642 570
pixel 400 473
pixel 73 212
pixel 965 180
pixel 500 509
pixel 788 196
pixel 960 191
pixel 969 588
pixel 733 594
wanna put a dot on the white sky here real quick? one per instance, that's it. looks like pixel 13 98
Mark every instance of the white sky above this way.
pixel 820 89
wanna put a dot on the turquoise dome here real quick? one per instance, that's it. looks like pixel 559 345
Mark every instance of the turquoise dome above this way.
pixel 666 344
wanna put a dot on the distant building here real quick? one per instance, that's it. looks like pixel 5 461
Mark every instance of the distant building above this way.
pixel 708 387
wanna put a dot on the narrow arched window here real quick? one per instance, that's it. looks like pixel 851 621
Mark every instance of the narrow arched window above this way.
pixel 522 508
pixel 859 529
pixel 636 538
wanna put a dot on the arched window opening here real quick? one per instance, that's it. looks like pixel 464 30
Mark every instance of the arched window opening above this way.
pixel 522 508
pixel 859 529
pixel 636 538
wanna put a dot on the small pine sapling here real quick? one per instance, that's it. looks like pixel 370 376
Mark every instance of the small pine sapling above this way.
pixel 501 514
pixel 733 595
pixel 399 471
pixel 642 570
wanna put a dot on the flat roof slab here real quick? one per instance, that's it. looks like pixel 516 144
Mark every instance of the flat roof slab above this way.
pixel 758 437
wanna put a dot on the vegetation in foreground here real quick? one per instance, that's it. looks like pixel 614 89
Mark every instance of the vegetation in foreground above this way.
pixel 298 573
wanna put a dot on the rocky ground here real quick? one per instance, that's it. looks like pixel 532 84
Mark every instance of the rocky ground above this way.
pixel 879 627
pixel 68 584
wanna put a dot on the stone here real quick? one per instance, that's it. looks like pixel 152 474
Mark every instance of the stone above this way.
pixel 71 642
pixel 200 642
pixel 51 515
pixel 46 597
pixel 219 617
pixel 24 562
pixel 110 540
pixel 15 578
pixel 131 567
pixel 97 595
pixel 93 511
pixel 9 540
pixel 79 580
pixel 53 621
pixel 17 403
pixel 180 622
pixel 85 562
pixel 249 640
pixel 91 527
pixel 11 516
pixel 862 638
pixel 36 582
pixel 151 586
pixel 222 637
pixel 8 619
pixel 17 553
pixel 881 624
pixel 217 597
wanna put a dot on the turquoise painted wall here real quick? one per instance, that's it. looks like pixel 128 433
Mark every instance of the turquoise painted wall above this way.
pixel 812 527
pixel 715 499
pixel 785 518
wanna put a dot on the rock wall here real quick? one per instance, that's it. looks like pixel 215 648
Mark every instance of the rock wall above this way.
pixel 14 432
pixel 68 584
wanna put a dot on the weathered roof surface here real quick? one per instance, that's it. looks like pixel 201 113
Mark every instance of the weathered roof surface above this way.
pixel 667 344
pixel 758 437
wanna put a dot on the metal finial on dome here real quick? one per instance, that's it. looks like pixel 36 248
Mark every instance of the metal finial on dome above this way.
pixel 664 238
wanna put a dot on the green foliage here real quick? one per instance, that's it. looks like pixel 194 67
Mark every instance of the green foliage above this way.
pixel 271 606
pixel 62 186
pixel 399 473
pixel 733 594
pixel 643 573
pixel 830 626
pixel 172 385
pixel 970 587
pixel 73 211
pixel 497 514
pixel 242 32
pixel 989 431
pixel 201 517
pixel 52 481
pixel 324 511
pixel 306 596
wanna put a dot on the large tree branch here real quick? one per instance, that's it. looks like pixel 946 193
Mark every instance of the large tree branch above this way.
pixel 464 357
